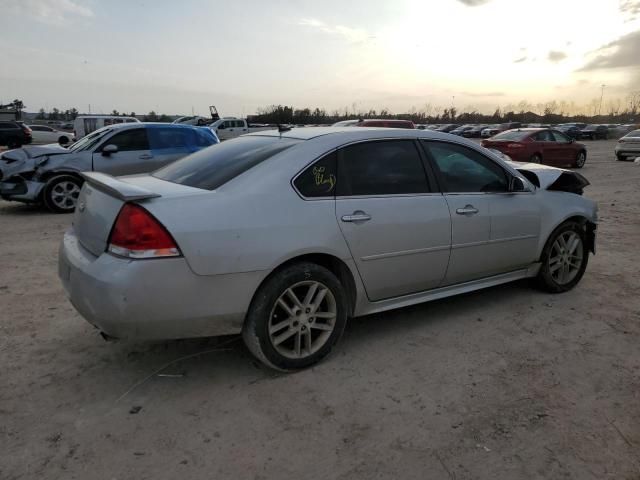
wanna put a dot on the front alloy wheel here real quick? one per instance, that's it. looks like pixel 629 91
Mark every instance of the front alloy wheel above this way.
pixel 61 193
pixel 296 317
pixel 564 258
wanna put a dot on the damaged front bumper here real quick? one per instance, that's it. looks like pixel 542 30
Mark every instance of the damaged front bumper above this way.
pixel 21 190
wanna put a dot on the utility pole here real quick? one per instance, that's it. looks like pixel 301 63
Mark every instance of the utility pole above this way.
pixel 601 96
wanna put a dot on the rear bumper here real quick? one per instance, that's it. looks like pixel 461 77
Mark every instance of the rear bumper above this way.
pixel 157 299
pixel 628 151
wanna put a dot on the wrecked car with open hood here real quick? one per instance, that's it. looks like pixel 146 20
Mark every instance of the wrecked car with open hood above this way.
pixel 51 174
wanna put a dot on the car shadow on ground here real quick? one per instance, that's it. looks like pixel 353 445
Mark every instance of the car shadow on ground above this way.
pixel 226 361
pixel 16 209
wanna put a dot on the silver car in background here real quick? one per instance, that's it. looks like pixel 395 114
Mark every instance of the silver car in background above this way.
pixel 284 235
pixel 628 147
pixel 51 174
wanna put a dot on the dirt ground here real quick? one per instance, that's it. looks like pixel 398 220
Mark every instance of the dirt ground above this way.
pixel 506 383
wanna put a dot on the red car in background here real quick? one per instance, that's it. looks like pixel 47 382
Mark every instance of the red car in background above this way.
pixel 539 145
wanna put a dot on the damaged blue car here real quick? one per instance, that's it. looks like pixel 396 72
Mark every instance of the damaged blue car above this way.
pixel 51 174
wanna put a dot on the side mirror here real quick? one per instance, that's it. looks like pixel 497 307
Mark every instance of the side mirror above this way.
pixel 517 185
pixel 109 150
pixel 221 126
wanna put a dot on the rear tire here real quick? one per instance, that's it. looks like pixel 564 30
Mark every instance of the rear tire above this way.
pixel 564 258
pixel 60 193
pixel 282 329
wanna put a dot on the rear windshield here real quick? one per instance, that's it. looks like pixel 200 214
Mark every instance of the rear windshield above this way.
pixel 513 135
pixel 214 166
pixel 635 133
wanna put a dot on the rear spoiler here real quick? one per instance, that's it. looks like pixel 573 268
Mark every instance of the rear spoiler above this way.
pixel 117 188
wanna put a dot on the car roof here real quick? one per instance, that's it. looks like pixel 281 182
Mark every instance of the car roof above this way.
pixel 356 134
pixel 125 126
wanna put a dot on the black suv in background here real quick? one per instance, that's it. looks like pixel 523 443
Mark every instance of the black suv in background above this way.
pixel 14 134
pixel 595 132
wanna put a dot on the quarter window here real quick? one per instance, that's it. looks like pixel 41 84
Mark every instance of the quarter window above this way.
pixel 463 170
pixel 386 167
pixel 319 180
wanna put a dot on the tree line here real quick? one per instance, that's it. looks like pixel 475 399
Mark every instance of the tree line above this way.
pixel 613 111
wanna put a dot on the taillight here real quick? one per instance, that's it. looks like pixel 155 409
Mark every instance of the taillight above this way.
pixel 514 145
pixel 137 234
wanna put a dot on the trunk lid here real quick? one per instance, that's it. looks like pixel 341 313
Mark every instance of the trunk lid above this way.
pixel 102 196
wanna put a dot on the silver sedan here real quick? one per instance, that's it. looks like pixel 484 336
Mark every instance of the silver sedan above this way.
pixel 284 235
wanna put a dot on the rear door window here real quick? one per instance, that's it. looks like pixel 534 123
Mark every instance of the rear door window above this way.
pixel 213 167
pixel 388 167
pixel 559 137
pixel 169 138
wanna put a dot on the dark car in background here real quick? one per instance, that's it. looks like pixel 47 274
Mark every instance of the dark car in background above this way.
pixel 447 128
pixel 539 145
pixel 14 134
pixel 460 131
pixel 572 131
pixel 595 132
pixel 475 131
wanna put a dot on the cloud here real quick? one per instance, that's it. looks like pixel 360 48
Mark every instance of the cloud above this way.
pixel 54 12
pixel 630 7
pixel 520 60
pixel 474 3
pixel 354 35
pixel 483 94
pixel 620 53
pixel 556 56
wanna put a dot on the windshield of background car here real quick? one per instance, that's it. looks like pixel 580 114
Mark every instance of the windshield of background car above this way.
pixel 514 136
pixel 214 166
pixel 88 142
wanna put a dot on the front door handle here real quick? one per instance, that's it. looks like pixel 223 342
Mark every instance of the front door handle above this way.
pixel 467 210
pixel 356 217
pixel 146 156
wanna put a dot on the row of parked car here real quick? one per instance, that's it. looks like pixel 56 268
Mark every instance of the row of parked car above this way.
pixel 573 130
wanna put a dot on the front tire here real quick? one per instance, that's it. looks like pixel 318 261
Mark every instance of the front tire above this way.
pixel 536 158
pixel 581 159
pixel 60 193
pixel 564 258
pixel 296 317
pixel 63 140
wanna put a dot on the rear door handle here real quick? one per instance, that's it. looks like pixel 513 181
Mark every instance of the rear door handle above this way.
pixel 467 210
pixel 356 217
pixel 146 156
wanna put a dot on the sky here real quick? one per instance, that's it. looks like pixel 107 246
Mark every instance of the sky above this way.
pixel 178 57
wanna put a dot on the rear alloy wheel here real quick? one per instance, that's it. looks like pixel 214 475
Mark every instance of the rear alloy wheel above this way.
pixel 564 258
pixel 61 193
pixel 296 317
pixel 581 159
pixel 536 158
